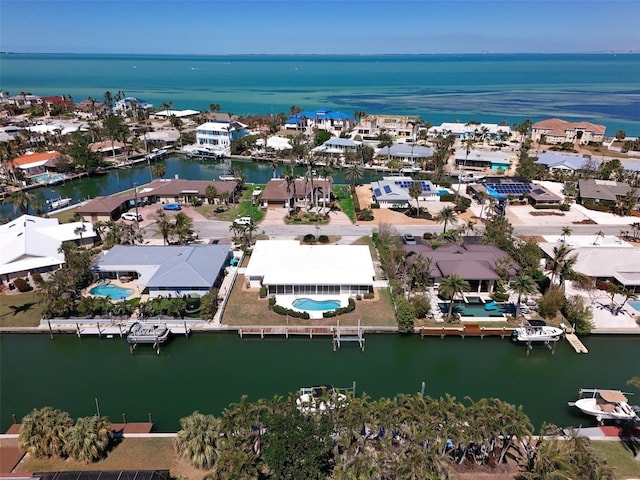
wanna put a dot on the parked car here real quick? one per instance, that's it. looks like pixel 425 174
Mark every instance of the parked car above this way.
pixel 409 239
pixel 243 221
pixel 171 206
pixel 131 216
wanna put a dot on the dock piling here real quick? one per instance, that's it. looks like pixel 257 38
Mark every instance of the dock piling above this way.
pixel 50 331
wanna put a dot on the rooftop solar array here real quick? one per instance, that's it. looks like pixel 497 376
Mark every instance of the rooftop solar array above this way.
pixel 516 189
pixel 387 189
pixel 426 186
pixel 377 192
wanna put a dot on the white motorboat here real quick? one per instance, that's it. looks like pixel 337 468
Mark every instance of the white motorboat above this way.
pixel 229 177
pixel 58 203
pixel 606 405
pixel 148 333
pixel 202 151
pixel 157 153
pixel 542 333
pixel 319 398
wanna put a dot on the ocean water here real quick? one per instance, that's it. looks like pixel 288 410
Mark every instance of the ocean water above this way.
pixel 600 88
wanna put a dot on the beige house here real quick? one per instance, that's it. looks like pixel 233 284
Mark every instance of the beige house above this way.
pixel 556 130
pixel 402 126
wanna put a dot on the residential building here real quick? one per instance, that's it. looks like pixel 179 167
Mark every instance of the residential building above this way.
pixel 31 244
pixel 407 153
pixel 104 208
pixel 482 159
pixel 566 163
pixel 393 192
pixel 159 270
pixel 605 192
pixel 308 121
pixel 474 262
pixel 285 267
pixel 25 100
pixel 279 193
pixel 33 163
pixel 476 131
pixel 337 146
pixel 371 127
pixel 555 130
pixel 124 105
pixel 218 135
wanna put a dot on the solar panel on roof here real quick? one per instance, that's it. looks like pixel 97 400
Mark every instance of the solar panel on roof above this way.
pixel 377 192
pixel 387 189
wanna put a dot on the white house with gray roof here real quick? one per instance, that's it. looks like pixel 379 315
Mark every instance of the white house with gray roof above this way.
pixel 394 191
pixel 161 270
pixel 405 152
pixel 564 162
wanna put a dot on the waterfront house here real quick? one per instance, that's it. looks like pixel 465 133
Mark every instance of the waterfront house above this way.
pixel 605 259
pixel 476 263
pixel 166 270
pixel 475 131
pixel 126 104
pixel 218 135
pixel 278 193
pixel 309 121
pixel 393 192
pixel 31 244
pixel 566 163
pixel 105 208
pixel 33 163
pixel 407 153
pixel 337 146
pixel 25 100
pixel 107 148
pixel 287 267
pixel 555 131
pixel 371 127
pixel 482 159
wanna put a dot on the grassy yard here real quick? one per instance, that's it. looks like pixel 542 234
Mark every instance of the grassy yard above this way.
pixel 345 201
pixel 620 457
pixel 130 454
pixel 20 310
pixel 243 208
pixel 245 307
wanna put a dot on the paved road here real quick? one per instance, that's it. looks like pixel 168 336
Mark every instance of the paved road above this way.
pixel 217 229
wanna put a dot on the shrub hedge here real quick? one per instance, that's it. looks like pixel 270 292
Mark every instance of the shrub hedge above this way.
pixel 341 311
pixel 22 285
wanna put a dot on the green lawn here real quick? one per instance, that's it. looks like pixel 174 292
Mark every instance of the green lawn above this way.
pixel 20 310
pixel 244 207
pixel 620 457
pixel 345 200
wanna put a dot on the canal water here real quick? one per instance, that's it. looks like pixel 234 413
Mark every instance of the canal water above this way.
pixel 206 372
pixel 117 180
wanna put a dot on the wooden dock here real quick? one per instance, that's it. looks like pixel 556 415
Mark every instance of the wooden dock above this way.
pixel 285 331
pixel 575 342
pixel 467 329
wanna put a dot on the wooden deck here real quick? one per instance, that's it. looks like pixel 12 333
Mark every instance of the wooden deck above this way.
pixel 575 342
pixel 467 329
pixel 285 331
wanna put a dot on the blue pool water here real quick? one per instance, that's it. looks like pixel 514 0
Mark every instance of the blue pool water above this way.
pixel 635 304
pixel 47 177
pixel 476 309
pixel 112 291
pixel 315 305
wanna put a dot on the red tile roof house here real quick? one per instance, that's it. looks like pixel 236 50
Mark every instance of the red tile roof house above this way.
pixel 58 100
pixel 34 163
pixel 275 193
pixel 556 130
pixel 474 262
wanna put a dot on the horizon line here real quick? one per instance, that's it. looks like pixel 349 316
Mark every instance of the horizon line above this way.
pixel 595 52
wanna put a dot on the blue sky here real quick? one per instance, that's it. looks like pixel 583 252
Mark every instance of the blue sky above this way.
pixel 318 26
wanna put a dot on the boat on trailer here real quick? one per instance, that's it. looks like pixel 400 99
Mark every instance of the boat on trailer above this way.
pixel 58 203
pixel 152 333
pixel 606 405
pixel 319 398
pixel 536 333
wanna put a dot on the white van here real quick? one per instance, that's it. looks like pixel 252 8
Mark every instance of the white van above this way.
pixel 131 217
pixel 243 221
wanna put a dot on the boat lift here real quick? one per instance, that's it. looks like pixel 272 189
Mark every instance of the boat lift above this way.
pixel 339 337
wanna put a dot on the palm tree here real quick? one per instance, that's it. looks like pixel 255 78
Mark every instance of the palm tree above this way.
pixel 566 232
pixel 197 439
pixel 636 229
pixel 562 262
pixel 450 286
pixel 481 196
pixel 79 231
pixel 628 295
pixel 353 173
pixel 211 193
pixel 88 440
pixel 523 285
pixel 43 432
pixel 163 224
pixel 159 170
pixel 181 227
pixel 447 215
pixel 415 190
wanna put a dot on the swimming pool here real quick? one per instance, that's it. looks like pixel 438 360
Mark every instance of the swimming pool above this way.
pixel 635 304
pixel 47 177
pixel 477 309
pixel 112 291
pixel 315 305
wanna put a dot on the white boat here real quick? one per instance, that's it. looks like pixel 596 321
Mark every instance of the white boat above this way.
pixel 58 203
pixel 542 333
pixel 148 333
pixel 157 153
pixel 202 151
pixel 319 398
pixel 606 405
pixel 229 177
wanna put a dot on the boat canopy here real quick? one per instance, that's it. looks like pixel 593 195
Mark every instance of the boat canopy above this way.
pixel 612 396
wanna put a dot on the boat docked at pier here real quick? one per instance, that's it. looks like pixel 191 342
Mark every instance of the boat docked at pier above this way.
pixel 157 153
pixel 152 333
pixel 536 333
pixel 204 152
pixel 58 203
pixel 230 177
pixel 319 398
pixel 606 405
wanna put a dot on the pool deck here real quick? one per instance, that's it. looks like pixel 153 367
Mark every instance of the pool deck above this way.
pixel 286 301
